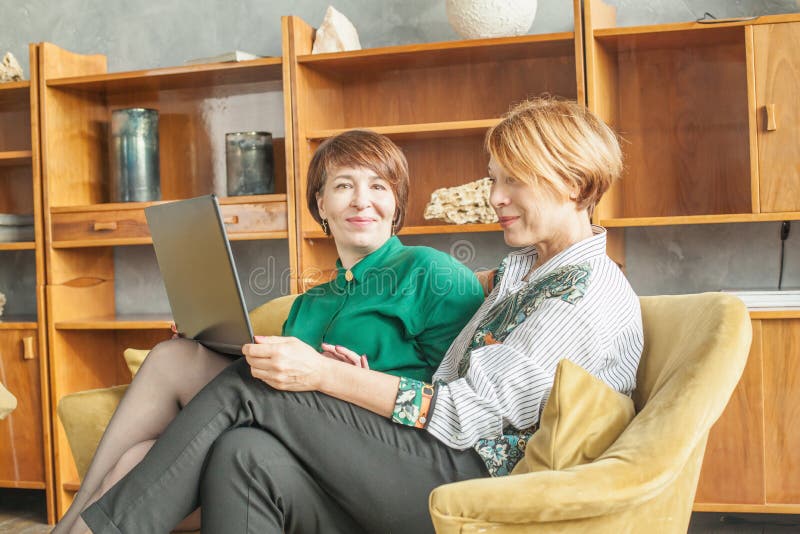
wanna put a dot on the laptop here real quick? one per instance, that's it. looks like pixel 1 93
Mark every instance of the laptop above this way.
pixel 196 264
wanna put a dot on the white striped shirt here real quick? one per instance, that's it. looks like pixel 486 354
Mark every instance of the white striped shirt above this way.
pixel 508 383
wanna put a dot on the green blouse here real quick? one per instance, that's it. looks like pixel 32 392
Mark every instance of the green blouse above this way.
pixel 402 307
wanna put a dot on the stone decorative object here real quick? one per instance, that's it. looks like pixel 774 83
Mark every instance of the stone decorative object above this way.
pixel 335 34
pixel 2 303
pixel 468 203
pixel 478 19
pixel 10 69
pixel 8 402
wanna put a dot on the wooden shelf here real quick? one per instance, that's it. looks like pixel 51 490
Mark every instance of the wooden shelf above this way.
pixel 22 485
pixel 747 508
pixel 603 33
pixel 71 225
pixel 124 206
pixel 18 245
pixel 626 222
pixel 427 230
pixel 15 158
pixel 214 74
pixel 442 53
pixel 776 313
pixel 120 322
pixel 132 241
pixel 15 95
pixel 430 130
pixel 18 322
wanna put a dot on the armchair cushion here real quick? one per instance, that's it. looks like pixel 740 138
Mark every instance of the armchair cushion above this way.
pixel 134 359
pixel 582 418
pixel 85 416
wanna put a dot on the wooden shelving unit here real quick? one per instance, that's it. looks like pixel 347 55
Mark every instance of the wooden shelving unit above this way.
pixel 25 441
pixel 710 121
pixel 197 105
pixel 434 100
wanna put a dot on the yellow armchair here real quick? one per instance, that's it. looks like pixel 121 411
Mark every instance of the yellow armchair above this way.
pixel 696 347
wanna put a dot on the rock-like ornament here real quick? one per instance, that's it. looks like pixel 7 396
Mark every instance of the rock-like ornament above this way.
pixel 335 34
pixel 463 204
pixel 2 303
pixel 478 19
pixel 8 402
pixel 10 69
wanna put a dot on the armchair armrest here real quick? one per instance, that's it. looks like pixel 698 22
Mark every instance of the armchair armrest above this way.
pixel 611 484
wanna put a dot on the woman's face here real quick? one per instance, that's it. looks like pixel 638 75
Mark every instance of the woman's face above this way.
pixel 529 214
pixel 359 207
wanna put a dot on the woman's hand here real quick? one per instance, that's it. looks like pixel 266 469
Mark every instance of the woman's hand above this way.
pixel 338 352
pixel 285 363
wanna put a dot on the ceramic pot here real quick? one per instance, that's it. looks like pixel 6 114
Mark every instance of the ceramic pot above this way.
pixel 476 19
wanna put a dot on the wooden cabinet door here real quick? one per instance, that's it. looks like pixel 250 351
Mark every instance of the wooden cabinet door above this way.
pixel 733 465
pixel 21 453
pixel 781 348
pixel 777 77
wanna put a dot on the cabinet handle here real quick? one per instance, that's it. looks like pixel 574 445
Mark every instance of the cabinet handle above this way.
pixel 101 226
pixel 233 219
pixel 28 348
pixel 771 124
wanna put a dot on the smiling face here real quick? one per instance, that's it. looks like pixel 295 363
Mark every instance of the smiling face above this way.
pixel 359 207
pixel 535 215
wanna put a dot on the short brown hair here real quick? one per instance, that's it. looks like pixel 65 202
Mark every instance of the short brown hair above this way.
pixel 360 148
pixel 559 144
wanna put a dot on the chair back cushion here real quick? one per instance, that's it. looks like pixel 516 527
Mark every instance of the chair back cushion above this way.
pixel 268 319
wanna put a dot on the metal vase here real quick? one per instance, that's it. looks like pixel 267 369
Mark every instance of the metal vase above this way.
pixel 135 175
pixel 249 162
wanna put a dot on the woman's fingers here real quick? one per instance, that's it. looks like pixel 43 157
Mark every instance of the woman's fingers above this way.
pixel 335 356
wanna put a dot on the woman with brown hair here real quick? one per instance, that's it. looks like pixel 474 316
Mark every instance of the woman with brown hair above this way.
pixel 287 441
pixel 406 303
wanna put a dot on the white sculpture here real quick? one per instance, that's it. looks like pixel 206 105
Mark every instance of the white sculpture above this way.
pixel 2 303
pixel 10 69
pixel 335 34
pixel 8 402
pixel 477 19
pixel 468 203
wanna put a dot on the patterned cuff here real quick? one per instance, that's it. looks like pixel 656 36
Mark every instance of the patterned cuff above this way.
pixel 413 402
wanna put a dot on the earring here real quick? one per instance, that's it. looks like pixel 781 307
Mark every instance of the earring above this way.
pixel 325 228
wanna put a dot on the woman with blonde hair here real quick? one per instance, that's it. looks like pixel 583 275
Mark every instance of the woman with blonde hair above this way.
pixel 288 441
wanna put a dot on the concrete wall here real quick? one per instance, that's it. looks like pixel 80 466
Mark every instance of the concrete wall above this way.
pixel 137 34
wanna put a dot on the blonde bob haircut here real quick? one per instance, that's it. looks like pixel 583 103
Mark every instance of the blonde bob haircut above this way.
pixel 560 145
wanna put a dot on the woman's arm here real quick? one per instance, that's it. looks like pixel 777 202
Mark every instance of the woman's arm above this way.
pixel 288 364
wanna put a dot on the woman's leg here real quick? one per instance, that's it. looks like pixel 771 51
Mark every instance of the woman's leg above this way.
pixel 170 376
pixel 378 472
pixel 253 483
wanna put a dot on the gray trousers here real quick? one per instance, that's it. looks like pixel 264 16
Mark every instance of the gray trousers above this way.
pixel 304 462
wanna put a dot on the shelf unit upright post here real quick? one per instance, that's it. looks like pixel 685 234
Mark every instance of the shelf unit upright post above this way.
pixel 197 105
pixel 25 443
pixel 711 121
